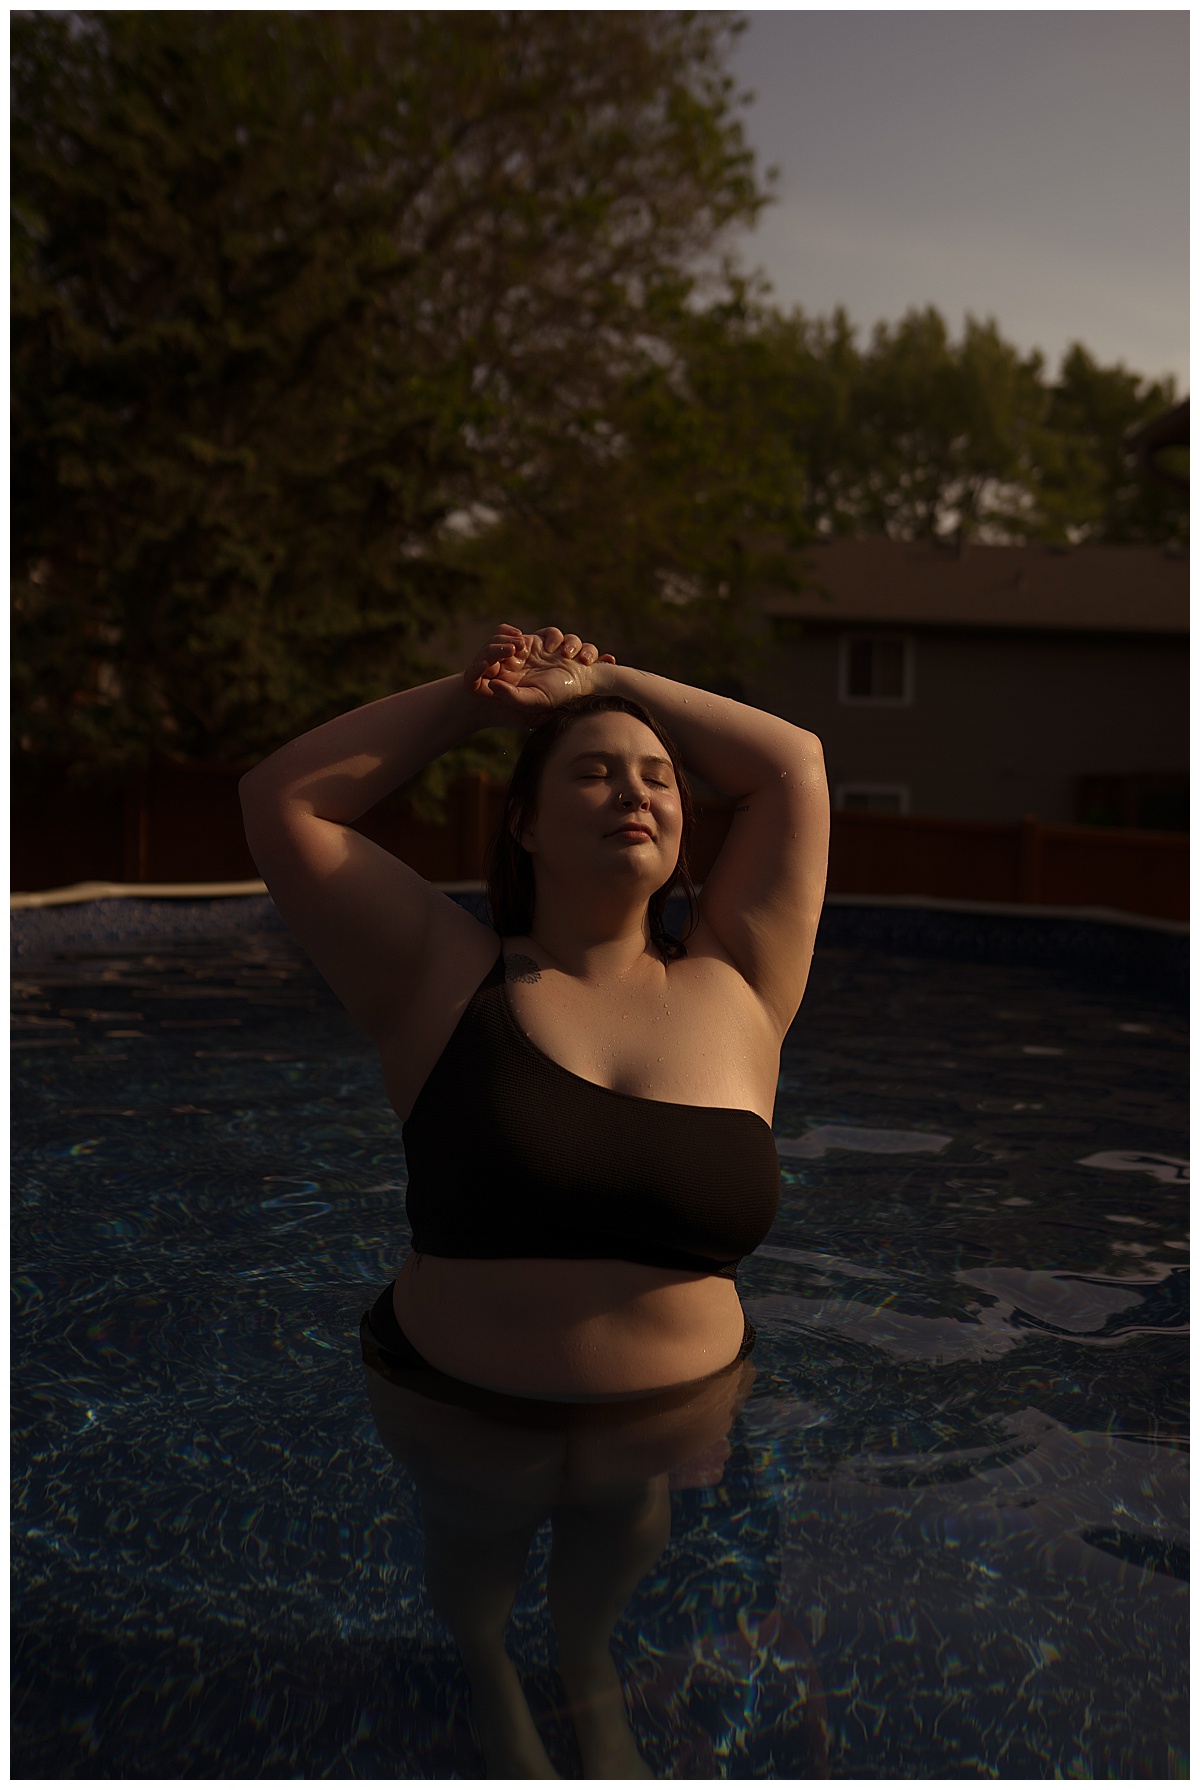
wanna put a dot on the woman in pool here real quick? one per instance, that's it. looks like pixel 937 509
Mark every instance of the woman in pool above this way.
pixel 587 1107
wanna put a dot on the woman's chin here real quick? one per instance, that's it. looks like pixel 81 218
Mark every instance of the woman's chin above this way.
pixel 627 869
pixel 641 871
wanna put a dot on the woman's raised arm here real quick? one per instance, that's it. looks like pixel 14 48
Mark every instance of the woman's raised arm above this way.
pixel 374 927
pixel 762 898
pixel 368 921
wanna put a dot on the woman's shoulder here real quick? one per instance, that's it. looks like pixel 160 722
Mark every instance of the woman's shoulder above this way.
pixel 462 948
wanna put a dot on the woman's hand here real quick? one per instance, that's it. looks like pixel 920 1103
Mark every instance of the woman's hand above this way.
pixel 525 675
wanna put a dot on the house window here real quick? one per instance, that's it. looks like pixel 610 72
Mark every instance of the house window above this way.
pixel 1157 800
pixel 876 668
pixel 872 798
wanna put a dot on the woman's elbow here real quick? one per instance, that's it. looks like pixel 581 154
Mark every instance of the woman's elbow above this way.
pixel 262 785
pixel 264 809
pixel 807 748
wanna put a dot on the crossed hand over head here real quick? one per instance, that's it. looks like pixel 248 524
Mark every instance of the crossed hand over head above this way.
pixel 527 674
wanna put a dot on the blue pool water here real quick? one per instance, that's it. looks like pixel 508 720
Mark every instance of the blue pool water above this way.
pixel 949 1539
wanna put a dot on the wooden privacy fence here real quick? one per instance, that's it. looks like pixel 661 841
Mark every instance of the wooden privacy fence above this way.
pixel 182 823
pixel 1120 867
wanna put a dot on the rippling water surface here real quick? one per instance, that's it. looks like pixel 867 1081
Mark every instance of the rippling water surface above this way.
pixel 949 1539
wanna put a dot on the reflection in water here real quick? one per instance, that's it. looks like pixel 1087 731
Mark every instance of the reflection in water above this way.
pixel 939 1528
pixel 864 1139
pixel 489 1470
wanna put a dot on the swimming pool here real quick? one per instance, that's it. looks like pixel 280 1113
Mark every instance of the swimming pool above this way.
pixel 949 1539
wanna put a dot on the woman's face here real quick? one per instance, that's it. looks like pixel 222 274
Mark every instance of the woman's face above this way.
pixel 608 805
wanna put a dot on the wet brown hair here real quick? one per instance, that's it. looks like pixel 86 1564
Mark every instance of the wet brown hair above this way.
pixel 510 883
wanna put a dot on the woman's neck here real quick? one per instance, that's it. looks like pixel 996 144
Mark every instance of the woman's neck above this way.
pixel 589 954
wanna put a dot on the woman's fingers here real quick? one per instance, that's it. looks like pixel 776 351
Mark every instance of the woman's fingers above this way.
pixel 511 655
pixel 505 641
pixel 567 646
pixel 497 662
pixel 504 653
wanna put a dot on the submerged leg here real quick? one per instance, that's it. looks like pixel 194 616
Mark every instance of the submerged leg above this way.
pixel 604 1544
pixel 484 1487
pixel 472 1575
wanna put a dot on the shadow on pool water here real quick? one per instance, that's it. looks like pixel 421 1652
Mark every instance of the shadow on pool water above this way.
pixel 948 1540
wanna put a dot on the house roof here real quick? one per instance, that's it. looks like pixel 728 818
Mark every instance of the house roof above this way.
pixel 1107 590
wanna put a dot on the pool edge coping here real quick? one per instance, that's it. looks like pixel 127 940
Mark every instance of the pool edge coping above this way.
pixel 73 893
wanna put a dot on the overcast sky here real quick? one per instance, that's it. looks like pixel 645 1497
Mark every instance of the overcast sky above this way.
pixel 1031 166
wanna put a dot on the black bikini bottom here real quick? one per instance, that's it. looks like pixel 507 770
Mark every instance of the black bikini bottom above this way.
pixel 386 1349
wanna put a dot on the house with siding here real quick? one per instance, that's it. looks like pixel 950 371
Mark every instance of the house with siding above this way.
pixel 991 683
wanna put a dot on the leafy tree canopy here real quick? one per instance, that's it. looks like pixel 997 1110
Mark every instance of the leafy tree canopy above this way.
pixel 330 328
pixel 754 433
pixel 293 292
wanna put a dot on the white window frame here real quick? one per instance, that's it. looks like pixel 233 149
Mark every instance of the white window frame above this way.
pixel 905 641
pixel 872 789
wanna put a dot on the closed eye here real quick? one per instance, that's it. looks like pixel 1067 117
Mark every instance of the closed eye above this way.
pixel 603 776
pixel 600 772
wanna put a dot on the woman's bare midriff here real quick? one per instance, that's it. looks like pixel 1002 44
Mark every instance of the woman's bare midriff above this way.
pixel 567 1329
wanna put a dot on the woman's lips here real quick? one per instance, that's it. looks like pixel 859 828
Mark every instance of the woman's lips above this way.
pixel 633 833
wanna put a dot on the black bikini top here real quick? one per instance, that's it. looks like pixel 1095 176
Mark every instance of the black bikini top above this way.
pixel 511 1155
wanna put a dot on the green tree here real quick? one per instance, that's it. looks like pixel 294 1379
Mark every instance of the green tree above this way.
pixel 912 435
pixel 817 376
pixel 656 520
pixel 916 435
pixel 948 431
pixel 331 328
pixel 295 294
pixel 1089 488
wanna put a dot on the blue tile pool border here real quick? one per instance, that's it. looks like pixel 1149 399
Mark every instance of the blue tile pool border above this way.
pixel 1084 942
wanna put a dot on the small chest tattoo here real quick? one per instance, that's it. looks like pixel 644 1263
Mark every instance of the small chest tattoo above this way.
pixel 519 968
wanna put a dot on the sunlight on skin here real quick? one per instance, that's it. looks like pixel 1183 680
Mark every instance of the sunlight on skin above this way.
pixel 401 959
